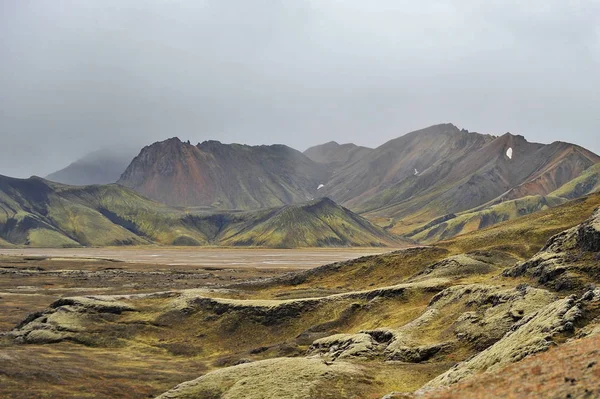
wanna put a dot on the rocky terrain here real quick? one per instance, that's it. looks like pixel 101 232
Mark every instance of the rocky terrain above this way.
pixel 441 171
pixel 423 321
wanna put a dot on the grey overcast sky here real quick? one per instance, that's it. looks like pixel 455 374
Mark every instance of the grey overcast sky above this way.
pixel 76 75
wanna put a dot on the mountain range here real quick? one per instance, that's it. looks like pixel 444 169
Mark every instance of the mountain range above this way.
pixel 428 185
pixel 441 170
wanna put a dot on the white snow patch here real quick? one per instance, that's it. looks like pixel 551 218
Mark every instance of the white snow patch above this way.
pixel 509 152
pixel 416 172
pixel 320 186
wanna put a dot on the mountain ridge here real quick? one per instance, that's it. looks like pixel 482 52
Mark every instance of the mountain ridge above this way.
pixel 39 213
pixel 224 176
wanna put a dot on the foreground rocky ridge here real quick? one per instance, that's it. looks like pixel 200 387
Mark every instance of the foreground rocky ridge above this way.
pixel 417 320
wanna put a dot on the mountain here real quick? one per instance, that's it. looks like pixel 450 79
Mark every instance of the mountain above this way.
pixel 430 184
pixel 315 224
pixel 336 156
pixel 398 159
pixel 39 213
pixel 99 167
pixel 224 176
pixel 442 170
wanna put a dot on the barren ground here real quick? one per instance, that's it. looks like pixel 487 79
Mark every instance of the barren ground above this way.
pixel 206 257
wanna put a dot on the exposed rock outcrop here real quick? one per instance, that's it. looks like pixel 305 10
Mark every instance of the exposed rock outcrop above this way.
pixel 570 260
pixel 532 334
pixel 66 319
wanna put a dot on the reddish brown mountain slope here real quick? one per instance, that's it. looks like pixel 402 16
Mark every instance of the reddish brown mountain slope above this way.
pixel 228 176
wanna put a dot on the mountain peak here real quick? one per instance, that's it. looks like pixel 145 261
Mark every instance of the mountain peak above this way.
pixel 322 202
pixel 174 139
pixel 336 155
pixel 224 176
pixel 514 136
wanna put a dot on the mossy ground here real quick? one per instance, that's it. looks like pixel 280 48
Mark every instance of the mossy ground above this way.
pixel 452 295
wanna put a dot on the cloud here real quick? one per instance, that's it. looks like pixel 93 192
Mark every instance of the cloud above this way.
pixel 77 76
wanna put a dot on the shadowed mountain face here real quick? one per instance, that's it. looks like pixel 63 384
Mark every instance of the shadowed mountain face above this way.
pixel 225 176
pixel 99 167
pixel 39 213
pixel 442 170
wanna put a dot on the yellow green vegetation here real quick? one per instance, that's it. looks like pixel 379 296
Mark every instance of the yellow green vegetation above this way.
pixel 36 212
pixel 420 317
pixel 500 210
pixel 587 182
pixel 478 219
pixel 524 236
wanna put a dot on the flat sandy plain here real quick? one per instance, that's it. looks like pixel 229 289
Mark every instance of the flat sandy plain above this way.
pixel 206 257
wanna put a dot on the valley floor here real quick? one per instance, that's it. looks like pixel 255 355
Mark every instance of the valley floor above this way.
pixel 205 257
pixel 32 279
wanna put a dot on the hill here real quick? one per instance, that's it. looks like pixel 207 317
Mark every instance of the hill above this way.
pixel 99 167
pixel 315 224
pixel 36 212
pixel 223 176
pixel 587 182
pixel 567 371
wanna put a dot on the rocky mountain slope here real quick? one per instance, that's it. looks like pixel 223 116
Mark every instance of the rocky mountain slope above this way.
pixel 36 212
pixel 441 170
pixel 104 166
pixel 500 209
pixel 430 184
pixel 421 321
pixel 224 176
